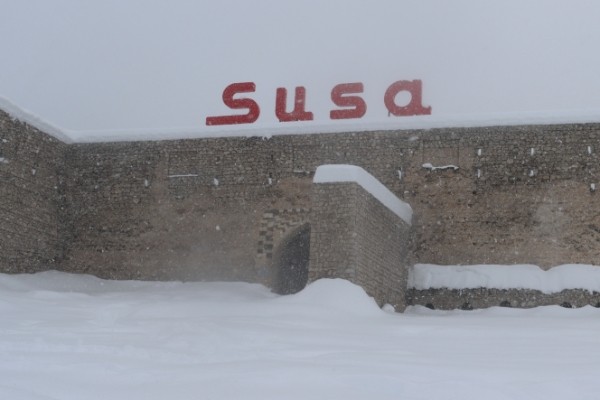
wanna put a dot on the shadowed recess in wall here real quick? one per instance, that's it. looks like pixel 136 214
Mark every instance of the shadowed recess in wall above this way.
pixel 291 261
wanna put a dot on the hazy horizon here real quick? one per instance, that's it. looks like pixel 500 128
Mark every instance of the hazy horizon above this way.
pixel 140 65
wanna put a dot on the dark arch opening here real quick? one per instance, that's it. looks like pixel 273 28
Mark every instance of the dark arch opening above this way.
pixel 291 262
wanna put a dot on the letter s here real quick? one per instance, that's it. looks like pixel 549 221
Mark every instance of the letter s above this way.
pixel 236 104
pixel 337 96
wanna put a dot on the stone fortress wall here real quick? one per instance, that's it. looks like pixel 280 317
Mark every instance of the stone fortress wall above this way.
pixel 224 208
pixel 32 206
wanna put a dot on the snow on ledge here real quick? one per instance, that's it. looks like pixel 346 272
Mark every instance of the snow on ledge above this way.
pixel 22 115
pixel 431 167
pixel 267 130
pixel 524 276
pixel 335 173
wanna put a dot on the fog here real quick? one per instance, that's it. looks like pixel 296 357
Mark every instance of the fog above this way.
pixel 157 64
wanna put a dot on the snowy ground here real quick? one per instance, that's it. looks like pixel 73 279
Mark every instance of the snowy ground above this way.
pixel 77 337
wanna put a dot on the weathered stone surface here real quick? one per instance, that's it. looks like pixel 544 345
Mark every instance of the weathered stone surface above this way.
pixel 32 206
pixel 490 210
pixel 468 299
pixel 221 208
pixel 213 209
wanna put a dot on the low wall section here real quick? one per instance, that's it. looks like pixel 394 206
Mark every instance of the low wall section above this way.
pixel 357 238
pixel 474 298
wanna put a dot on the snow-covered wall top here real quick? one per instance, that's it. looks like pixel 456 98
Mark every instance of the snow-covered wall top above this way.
pixel 25 116
pixel 333 173
pixel 269 130
pixel 554 280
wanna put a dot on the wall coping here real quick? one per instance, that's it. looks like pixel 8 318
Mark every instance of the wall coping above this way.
pixel 31 119
pixel 415 124
pixel 336 173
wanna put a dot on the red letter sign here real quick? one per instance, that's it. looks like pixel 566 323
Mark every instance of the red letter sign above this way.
pixel 337 96
pixel 251 105
pixel 414 107
pixel 299 113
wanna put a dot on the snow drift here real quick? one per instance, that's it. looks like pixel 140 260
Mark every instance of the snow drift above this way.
pixel 554 280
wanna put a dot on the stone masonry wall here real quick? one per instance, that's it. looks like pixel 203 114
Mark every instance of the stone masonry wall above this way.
pixel 469 299
pixel 333 247
pixel 218 208
pixel 521 195
pixel 355 237
pixel 212 209
pixel 31 198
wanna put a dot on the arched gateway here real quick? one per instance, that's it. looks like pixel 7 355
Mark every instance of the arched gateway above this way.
pixel 291 261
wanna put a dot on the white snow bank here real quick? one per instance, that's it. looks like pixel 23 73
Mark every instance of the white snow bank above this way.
pixel 337 295
pixel 268 130
pixel 431 167
pixel 56 281
pixel 33 120
pixel 554 280
pixel 333 173
pixel 72 337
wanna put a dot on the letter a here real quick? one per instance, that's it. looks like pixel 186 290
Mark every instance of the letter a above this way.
pixel 414 107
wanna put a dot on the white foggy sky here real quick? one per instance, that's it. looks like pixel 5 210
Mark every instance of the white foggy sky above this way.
pixel 163 64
